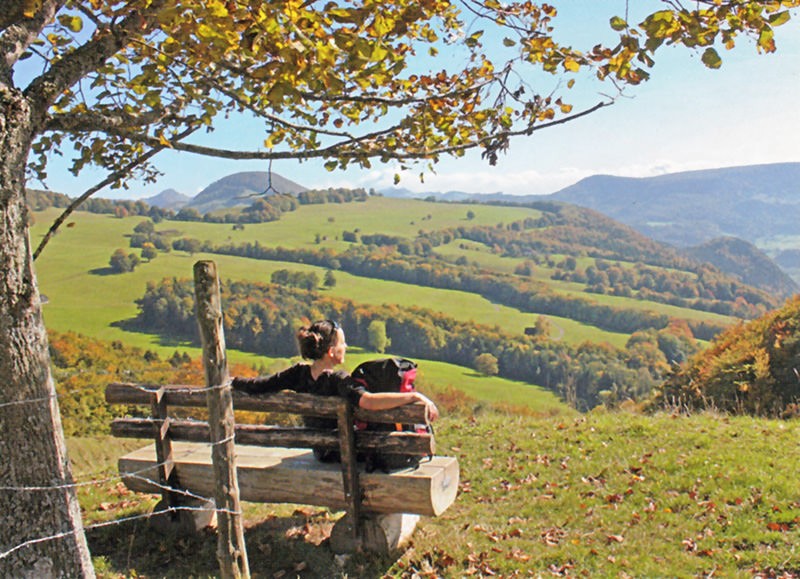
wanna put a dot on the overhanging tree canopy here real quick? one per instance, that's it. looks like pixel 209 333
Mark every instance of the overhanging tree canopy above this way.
pixel 348 82
pixel 344 81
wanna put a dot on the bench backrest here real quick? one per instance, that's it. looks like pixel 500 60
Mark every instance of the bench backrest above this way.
pixel 164 429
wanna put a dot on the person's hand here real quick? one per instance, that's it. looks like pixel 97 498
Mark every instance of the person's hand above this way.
pixel 433 412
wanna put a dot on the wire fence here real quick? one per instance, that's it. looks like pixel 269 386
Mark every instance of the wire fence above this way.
pixel 93 481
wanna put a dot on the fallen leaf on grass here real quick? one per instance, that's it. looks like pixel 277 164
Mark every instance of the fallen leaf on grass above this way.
pixel 615 538
pixel 560 569
pixel 553 536
pixel 517 554
pixel 117 505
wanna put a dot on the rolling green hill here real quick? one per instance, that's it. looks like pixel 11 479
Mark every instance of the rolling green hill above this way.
pixel 76 264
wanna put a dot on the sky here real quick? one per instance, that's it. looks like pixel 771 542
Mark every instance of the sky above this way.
pixel 686 117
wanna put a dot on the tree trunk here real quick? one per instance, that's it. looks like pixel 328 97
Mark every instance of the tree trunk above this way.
pixel 41 534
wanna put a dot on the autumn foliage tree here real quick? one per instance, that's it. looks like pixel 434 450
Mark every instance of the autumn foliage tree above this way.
pixel 118 81
pixel 751 368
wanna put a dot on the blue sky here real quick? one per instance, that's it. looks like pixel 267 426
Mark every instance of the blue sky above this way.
pixel 685 117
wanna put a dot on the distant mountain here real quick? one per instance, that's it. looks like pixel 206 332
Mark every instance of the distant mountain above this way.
pixel 455 196
pixel 689 208
pixel 746 262
pixel 168 199
pixel 240 189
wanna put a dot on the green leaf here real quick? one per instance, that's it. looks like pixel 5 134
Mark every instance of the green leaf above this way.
pixel 618 23
pixel 473 39
pixel 331 165
pixel 780 18
pixel 378 53
pixel 73 23
pixel 711 58
pixel 766 40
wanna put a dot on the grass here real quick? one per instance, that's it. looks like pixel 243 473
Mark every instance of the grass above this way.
pixel 544 490
pixel 607 494
pixel 611 494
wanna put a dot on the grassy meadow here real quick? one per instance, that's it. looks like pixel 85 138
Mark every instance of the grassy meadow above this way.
pixel 598 495
pixel 74 275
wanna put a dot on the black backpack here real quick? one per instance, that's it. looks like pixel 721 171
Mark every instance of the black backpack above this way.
pixel 389 375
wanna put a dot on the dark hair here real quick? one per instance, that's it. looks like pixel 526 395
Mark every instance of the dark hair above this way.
pixel 316 339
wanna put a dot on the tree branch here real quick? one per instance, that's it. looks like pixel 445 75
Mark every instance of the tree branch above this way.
pixel 19 31
pixel 92 121
pixel 111 179
pixel 346 149
pixel 73 66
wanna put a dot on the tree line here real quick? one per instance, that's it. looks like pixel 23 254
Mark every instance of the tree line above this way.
pixel 751 368
pixel 263 318
pixel 260 210
pixel 511 290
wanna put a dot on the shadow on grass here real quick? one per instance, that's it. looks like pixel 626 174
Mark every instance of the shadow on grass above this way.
pixel 103 271
pixel 133 326
pixel 277 546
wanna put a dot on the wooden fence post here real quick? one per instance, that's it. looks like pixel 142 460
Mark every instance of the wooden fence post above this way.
pixel 231 551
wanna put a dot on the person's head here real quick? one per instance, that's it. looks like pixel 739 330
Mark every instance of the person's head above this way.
pixel 321 339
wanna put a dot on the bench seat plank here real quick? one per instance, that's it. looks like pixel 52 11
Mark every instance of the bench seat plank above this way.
pixel 280 475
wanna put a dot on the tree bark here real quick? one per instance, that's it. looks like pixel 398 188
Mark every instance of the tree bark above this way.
pixel 41 534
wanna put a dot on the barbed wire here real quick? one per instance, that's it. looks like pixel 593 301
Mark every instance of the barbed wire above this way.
pixel 134 475
pixel 121 521
pixel 28 401
pixel 119 477
pixel 141 387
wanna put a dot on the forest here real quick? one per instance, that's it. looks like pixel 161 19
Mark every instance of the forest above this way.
pixel 263 318
pixel 751 368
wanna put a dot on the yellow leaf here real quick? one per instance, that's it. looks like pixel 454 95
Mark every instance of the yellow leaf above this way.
pixel 30 7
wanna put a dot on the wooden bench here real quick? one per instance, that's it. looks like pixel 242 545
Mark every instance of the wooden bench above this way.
pixel 275 464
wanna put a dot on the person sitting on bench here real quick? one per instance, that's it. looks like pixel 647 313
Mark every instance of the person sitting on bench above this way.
pixel 323 344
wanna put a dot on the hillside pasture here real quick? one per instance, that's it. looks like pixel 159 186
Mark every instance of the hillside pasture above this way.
pixel 75 266
pixel 480 254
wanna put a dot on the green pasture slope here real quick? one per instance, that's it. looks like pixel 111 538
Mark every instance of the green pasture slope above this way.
pixel 544 492
pixel 82 296
pixel 98 236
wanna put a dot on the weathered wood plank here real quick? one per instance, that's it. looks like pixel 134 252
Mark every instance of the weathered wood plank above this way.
pixel 231 550
pixel 422 444
pixel 281 475
pixel 285 401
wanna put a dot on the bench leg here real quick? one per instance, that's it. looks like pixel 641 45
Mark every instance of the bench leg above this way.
pixel 189 518
pixel 381 533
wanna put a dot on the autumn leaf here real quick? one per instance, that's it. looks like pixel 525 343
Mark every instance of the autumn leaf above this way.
pixel 711 58
pixel 618 23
